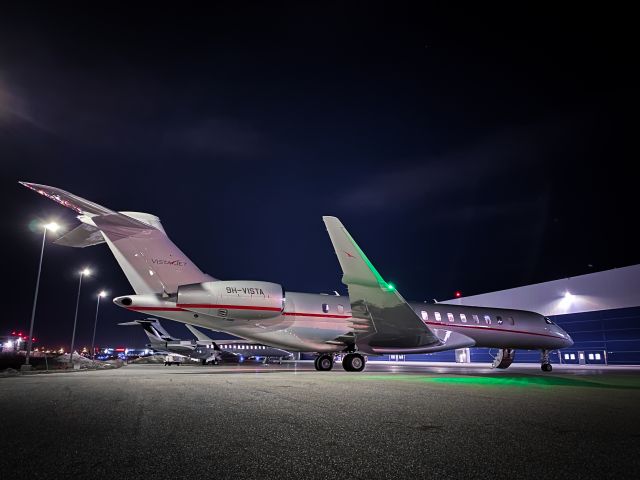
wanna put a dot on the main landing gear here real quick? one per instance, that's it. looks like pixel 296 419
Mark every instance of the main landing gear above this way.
pixel 545 362
pixel 504 358
pixel 324 362
pixel 353 362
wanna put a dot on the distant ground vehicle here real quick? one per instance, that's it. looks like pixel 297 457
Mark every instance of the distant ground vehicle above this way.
pixel 172 360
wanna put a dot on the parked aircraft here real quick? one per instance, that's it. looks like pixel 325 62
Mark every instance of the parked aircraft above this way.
pixel 374 319
pixel 204 348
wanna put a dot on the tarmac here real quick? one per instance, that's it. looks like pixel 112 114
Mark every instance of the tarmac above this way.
pixel 289 421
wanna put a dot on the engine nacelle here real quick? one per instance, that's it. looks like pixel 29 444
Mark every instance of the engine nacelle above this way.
pixel 233 300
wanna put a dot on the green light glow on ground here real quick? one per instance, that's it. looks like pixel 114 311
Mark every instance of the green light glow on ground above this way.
pixel 500 381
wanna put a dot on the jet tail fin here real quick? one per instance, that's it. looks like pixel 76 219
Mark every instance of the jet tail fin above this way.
pixel 150 260
pixel 198 334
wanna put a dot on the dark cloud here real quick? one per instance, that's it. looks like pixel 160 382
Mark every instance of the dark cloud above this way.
pixel 217 136
pixel 499 170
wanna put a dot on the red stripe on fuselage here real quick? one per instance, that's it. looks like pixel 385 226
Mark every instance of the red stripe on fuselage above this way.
pixel 448 326
pixel 323 315
pixel 157 309
pixel 183 308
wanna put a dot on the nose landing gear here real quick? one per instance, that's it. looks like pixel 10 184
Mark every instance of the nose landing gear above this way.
pixel 545 362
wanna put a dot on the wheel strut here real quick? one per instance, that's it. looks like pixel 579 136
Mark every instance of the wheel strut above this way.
pixel 545 363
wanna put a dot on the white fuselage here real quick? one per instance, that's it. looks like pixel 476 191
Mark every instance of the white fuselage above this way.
pixel 317 323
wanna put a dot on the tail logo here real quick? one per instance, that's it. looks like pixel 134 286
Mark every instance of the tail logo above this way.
pixel 162 261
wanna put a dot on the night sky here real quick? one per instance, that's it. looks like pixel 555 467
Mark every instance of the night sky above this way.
pixel 468 150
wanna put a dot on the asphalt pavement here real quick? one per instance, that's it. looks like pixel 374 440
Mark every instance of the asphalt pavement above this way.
pixel 290 421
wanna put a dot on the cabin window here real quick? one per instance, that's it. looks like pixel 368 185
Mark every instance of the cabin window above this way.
pixel 425 316
pixel 450 317
pixel 463 318
pixel 340 309
pixel 476 319
pixel 499 320
pixel 487 319
pixel 437 315
pixel 325 307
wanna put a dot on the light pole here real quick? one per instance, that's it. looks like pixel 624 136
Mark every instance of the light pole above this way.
pixel 53 227
pixel 85 272
pixel 102 294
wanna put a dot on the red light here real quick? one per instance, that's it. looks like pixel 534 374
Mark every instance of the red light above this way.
pixel 458 294
pixel 119 349
pixel 13 333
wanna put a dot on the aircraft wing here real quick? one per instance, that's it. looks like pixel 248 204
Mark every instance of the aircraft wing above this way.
pixel 376 304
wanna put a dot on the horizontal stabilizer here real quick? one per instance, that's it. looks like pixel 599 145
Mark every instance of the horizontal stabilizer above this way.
pixel 69 200
pixel 82 236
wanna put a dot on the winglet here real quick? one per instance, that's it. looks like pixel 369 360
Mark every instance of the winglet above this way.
pixel 356 267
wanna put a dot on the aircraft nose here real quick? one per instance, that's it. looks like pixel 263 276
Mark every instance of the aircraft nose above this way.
pixel 567 341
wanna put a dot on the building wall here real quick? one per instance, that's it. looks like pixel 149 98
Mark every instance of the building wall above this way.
pixel 607 290
pixel 615 332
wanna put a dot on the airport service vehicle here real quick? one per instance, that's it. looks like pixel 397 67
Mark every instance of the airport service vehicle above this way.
pixel 204 348
pixel 173 360
pixel 374 319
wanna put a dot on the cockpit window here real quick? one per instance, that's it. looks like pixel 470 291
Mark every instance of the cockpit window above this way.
pixel 548 321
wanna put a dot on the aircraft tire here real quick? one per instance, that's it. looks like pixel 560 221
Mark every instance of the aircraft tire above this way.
pixel 546 367
pixel 353 362
pixel 324 363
